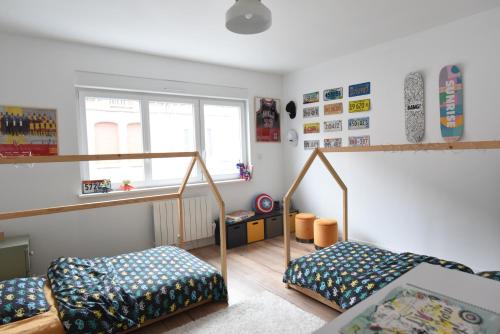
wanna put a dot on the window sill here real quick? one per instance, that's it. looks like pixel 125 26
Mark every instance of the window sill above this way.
pixel 173 188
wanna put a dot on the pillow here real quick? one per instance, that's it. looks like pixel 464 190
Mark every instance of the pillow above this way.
pixel 494 275
pixel 22 298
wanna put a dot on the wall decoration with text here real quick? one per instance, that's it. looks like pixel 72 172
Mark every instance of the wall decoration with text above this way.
pixel 359 141
pixel 333 94
pixel 311 98
pixel 311 144
pixel 359 123
pixel 333 142
pixel 311 128
pixel 334 109
pixel 332 126
pixel 359 89
pixel 311 112
pixel 359 105
pixel 267 111
pixel 451 98
pixel 28 131
pixel 414 107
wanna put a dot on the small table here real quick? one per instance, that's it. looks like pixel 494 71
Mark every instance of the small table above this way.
pixel 469 288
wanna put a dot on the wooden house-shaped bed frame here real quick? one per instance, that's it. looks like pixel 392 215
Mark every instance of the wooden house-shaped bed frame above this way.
pixel 320 152
pixel 195 157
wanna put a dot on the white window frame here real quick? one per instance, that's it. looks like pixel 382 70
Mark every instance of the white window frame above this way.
pixel 144 98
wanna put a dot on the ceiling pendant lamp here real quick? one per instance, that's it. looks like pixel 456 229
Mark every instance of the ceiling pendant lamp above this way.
pixel 248 17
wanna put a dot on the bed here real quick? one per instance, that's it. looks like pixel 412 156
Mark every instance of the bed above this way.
pixel 121 293
pixel 349 272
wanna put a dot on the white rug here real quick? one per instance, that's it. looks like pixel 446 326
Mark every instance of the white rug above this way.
pixel 264 313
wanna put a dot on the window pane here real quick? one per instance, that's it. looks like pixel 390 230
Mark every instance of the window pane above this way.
pixel 223 138
pixel 172 126
pixel 114 126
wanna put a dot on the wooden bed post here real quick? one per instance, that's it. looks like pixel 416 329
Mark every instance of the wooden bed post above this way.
pixel 180 205
pixel 286 204
pixel 222 217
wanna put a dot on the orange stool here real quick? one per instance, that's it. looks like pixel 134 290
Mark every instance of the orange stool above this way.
pixel 325 233
pixel 304 227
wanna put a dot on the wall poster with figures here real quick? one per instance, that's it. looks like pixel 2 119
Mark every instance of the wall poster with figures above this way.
pixel 28 131
pixel 267 111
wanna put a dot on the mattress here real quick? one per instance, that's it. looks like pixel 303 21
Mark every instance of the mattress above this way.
pixel 349 272
pixel 121 293
pixel 45 323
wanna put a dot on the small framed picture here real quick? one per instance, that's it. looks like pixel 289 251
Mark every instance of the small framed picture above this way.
pixel 267 113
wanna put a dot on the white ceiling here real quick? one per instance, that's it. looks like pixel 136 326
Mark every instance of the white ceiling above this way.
pixel 304 32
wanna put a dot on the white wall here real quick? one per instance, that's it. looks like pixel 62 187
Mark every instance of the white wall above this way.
pixel 439 203
pixel 42 73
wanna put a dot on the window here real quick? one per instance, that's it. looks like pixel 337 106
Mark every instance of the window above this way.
pixel 117 122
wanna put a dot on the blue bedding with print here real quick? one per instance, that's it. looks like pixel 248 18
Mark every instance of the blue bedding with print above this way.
pixel 115 294
pixel 348 272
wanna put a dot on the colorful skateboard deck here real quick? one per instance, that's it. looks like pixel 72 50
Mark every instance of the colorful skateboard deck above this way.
pixel 451 99
pixel 414 107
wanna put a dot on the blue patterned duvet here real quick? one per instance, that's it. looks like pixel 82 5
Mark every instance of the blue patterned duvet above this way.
pixel 109 295
pixel 348 272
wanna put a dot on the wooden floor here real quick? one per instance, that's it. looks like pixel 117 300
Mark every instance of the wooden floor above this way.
pixel 252 269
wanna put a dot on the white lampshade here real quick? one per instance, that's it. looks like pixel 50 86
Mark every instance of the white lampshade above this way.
pixel 248 17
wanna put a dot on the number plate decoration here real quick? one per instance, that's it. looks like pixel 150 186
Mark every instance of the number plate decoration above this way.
pixel 359 106
pixel 311 98
pixel 311 112
pixel 96 186
pixel 311 144
pixel 332 126
pixel 359 89
pixel 359 141
pixel 333 142
pixel 451 103
pixel 333 94
pixel 311 128
pixel 359 123
pixel 334 109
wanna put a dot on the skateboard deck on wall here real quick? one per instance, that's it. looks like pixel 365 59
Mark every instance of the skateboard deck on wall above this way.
pixel 414 107
pixel 451 103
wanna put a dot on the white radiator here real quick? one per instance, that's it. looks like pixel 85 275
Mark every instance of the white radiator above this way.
pixel 198 220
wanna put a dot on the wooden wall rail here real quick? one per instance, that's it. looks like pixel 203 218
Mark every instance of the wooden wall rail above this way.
pixel 143 199
pixel 471 145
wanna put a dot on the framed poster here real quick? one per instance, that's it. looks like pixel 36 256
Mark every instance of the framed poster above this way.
pixel 267 113
pixel 311 128
pixel 311 144
pixel 359 141
pixel 333 142
pixel 311 98
pixel 359 89
pixel 334 109
pixel 333 126
pixel 311 112
pixel 359 123
pixel 359 106
pixel 333 94
pixel 28 131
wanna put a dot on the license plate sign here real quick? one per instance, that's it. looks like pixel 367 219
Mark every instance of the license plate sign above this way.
pixel 311 112
pixel 333 94
pixel 359 105
pixel 311 98
pixel 334 109
pixel 333 142
pixel 359 141
pixel 359 123
pixel 359 89
pixel 333 126
pixel 311 144
pixel 311 128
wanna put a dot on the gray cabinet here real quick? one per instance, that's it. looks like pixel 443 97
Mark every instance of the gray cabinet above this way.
pixel 14 258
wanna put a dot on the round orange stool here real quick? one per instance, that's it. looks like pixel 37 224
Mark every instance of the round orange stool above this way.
pixel 304 227
pixel 325 233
